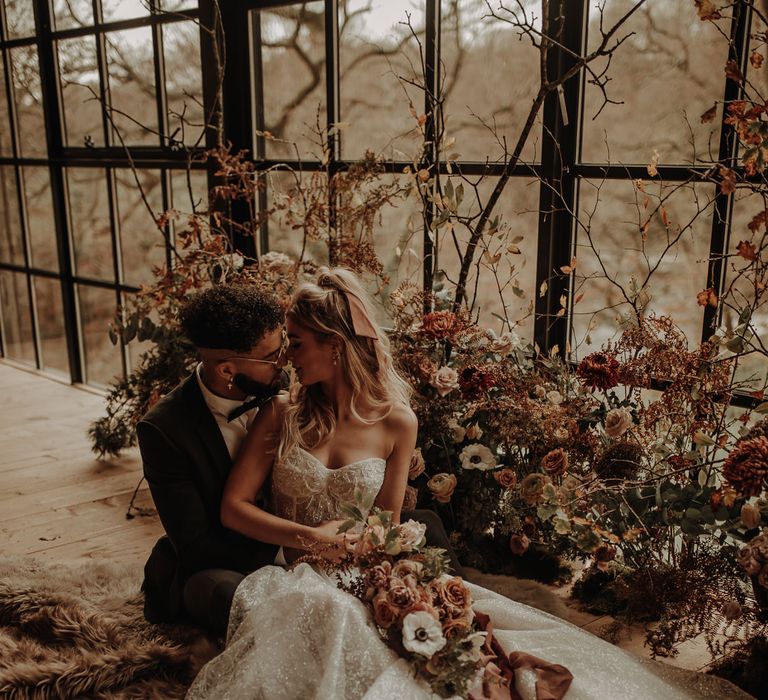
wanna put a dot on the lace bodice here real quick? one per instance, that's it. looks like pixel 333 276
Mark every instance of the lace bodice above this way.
pixel 306 491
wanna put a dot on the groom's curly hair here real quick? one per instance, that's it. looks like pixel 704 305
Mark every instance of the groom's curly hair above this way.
pixel 233 317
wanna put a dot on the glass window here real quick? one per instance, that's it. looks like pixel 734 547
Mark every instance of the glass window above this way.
pixel 669 53
pixel 29 101
pixel 178 5
pixel 89 223
pixel 502 280
pixel 114 10
pixel 486 102
pixel 189 191
pixel 130 60
pixel 183 82
pixel 379 54
pixel 292 44
pixel 653 241
pixel 16 317
pixel 72 13
pixel 103 362
pixel 142 244
pixel 79 77
pixel 19 18
pixel 6 144
pixel 40 223
pixel 50 323
pixel 11 233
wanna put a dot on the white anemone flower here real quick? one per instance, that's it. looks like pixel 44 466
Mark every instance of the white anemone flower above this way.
pixel 422 634
pixel 477 456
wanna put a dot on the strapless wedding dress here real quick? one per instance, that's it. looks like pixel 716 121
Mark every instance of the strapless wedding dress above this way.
pixel 293 635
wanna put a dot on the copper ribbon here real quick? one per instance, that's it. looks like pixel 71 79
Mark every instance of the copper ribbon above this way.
pixel 552 680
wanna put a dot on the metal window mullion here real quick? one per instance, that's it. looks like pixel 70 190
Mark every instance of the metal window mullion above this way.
pixel 103 70
pixel 53 113
pixel 431 154
pixel 332 111
pixel 161 98
pixel 738 51
pixel 257 105
pixel 116 237
pixel 558 192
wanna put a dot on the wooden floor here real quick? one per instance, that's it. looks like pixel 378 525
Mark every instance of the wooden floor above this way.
pixel 59 503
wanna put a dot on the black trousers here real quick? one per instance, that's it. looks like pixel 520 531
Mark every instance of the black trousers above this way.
pixel 208 594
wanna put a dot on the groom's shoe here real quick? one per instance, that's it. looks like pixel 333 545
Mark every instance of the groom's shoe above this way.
pixel 436 535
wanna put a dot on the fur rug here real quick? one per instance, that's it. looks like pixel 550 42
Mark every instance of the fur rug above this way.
pixel 79 631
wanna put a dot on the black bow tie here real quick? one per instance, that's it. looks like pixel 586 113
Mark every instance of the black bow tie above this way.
pixel 246 406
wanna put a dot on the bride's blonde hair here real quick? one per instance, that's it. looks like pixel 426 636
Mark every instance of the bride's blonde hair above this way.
pixel 366 363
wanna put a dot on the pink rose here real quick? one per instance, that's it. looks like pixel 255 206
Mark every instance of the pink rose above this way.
pixel 384 613
pixel 410 534
pixel 445 380
pixel 416 467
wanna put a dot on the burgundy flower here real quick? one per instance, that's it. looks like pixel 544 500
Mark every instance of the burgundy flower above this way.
pixel 599 371
pixel 746 468
pixel 440 324
pixel 474 381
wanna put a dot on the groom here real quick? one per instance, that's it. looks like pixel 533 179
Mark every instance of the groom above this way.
pixel 188 442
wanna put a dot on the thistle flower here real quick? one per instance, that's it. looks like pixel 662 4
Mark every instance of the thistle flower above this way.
pixel 746 468
pixel 599 371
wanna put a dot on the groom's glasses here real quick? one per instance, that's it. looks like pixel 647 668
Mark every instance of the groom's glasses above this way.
pixel 280 353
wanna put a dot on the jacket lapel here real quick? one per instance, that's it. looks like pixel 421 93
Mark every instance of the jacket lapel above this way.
pixel 206 427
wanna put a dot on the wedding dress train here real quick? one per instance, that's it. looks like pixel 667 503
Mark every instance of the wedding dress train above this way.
pixel 293 635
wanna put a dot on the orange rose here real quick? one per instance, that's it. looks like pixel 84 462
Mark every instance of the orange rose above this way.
pixel 555 462
pixel 506 478
pixel 384 613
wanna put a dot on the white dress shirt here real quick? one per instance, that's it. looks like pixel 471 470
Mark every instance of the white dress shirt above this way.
pixel 233 432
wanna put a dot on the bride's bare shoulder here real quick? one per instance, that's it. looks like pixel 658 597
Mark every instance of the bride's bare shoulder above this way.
pixel 402 417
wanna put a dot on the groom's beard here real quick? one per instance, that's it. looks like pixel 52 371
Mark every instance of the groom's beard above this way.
pixel 259 390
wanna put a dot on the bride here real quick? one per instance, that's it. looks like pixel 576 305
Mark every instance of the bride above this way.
pixel 293 635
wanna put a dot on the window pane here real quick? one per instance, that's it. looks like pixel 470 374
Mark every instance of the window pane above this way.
pixel 183 82
pixel 288 207
pixel 89 223
pixel 114 10
pixel 293 44
pixel 72 13
pixel 50 319
pixel 11 235
pixel 506 285
pixel 42 230
pixel 16 317
pixel 19 18
pixel 481 96
pixel 6 145
pixel 103 363
pixel 132 86
pixel 655 74
pixel 665 228
pixel 79 76
pixel 142 244
pixel 29 101
pixel 377 52
pixel 739 290
pixel 189 191
pixel 176 5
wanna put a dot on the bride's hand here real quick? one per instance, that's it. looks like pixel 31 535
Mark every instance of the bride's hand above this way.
pixel 333 545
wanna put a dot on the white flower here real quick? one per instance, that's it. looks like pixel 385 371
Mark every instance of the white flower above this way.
pixel 456 431
pixel 411 534
pixel 445 380
pixel 555 397
pixel 477 456
pixel 472 646
pixel 276 262
pixel 474 432
pixel 505 343
pixel 539 391
pixel 617 422
pixel 422 634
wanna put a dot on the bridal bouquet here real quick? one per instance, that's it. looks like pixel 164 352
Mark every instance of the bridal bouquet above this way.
pixel 422 612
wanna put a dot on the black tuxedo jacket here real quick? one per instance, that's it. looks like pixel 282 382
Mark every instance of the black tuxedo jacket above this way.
pixel 186 464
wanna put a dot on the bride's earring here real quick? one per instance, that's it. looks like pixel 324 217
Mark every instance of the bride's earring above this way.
pixel 335 356
pixel 229 383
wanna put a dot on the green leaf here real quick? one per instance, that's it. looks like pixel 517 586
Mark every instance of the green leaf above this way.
pixel 693 514
pixel 459 194
pixel 352 511
pixel 112 335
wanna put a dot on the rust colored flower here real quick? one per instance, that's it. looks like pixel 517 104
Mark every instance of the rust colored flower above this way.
pixel 416 467
pixel 746 468
pixel 400 594
pixel 620 461
pixel 456 595
pixel 598 371
pixel 506 478
pixel 457 627
pixel 555 462
pixel 410 499
pixel 442 486
pixel 747 250
pixel 474 381
pixel 707 297
pixel 384 613
pixel 518 544
pixel 532 488
pixel 440 325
